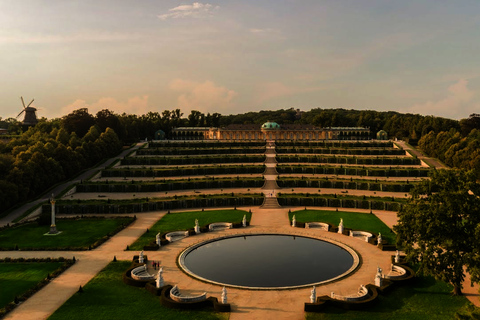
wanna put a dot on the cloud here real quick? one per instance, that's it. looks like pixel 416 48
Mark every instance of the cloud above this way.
pixel 136 105
pixel 273 90
pixel 84 36
pixel 458 103
pixel 202 96
pixel 194 10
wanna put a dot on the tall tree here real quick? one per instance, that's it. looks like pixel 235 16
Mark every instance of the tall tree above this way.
pixel 437 227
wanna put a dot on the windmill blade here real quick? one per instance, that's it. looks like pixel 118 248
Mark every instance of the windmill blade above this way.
pixel 30 103
pixel 20 113
pixel 22 103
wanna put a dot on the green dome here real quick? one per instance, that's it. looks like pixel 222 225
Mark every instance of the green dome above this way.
pixel 270 125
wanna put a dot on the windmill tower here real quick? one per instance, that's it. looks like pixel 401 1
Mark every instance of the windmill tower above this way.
pixel 30 118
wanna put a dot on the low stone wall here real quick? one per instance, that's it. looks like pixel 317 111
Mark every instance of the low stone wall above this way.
pixel 141 273
pixel 317 225
pixel 361 234
pixel 362 294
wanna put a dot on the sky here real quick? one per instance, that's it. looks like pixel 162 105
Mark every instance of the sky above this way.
pixel 410 56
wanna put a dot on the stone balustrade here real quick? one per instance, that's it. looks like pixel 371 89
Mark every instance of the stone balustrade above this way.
pixel 141 273
pixel 176 235
pixel 175 295
pixel 361 234
pixel 220 226
pixel 317 225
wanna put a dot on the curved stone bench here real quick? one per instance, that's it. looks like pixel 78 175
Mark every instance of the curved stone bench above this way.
pixel 220 226
pixel 176 235
pixel 362 294
pixel 396 273
pixel 361 234
pixel 175 295
pixel 317 225
pixel 141 273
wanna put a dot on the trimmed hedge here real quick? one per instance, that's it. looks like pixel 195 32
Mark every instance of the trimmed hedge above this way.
pixel 354 171
pixel 141 186
pixel 345 151
pixel 316 200
pixel 150 161
pixel 198 151
pixel 204 144
pixel 371 185
pixel 181 171
pixel 337 144
pixel 157 204
pixel 347 160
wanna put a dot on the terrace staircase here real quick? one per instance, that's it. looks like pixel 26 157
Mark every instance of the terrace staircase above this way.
pixel 270 203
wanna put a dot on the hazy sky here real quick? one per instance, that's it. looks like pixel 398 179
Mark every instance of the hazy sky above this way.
pixel 226 56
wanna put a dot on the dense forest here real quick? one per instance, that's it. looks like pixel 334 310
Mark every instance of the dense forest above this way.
pixel 58 149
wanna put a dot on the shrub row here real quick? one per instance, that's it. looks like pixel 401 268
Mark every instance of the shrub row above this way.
pixel 343 184
pixel 181 171
pixel 203 144
pixel 197 151
pixel 337 144
pixel 147 205
pixel 354 171
pixel 348 151
pixel 149 161
pixel 296 200
pixel 30 292
pixel 348 160
pixel 171 185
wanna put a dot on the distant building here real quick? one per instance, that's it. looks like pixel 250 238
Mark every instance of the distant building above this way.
pixel 271 131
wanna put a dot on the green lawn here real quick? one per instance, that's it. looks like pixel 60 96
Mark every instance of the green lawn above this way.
pixel 75 233
pixel 422 300
pixel 17 277
pixel 107 297
pixel 353 220
pixel 186 220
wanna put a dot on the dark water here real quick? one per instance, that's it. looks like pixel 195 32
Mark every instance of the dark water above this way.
pixel 268 261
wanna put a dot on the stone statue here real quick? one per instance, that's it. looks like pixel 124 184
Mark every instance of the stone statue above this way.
pixel 159 280
pixel 224 295
pixel 197 227
pixel 244 221
pixel 397 257
pixel 379 239
pixel 140 257
pixel 378 277
pixel 157 240
pixel 294 221
pixel 313 295
pixel 340 226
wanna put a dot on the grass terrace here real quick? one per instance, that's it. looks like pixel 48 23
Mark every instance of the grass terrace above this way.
pixel 186 220
pixel 422 299
pixel 353 184
pixel 200 159
pixel 384 161
pixel 76 234
pixel 342 151
pixel 107 297
pixel 353 220
pixel 336 144
pixel 198 151
pixel 16 278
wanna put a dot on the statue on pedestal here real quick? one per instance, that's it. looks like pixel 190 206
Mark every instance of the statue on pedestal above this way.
pixel 53 227
pixel 157 240
pixel 159 280
pixel 340 226
pixel 294 221
pixel 313 295
pixel 244 221
pixel 397 257
pixel 140 257
pixel 379 277
pixel 224 295
pixel 197 227
pixel 379 239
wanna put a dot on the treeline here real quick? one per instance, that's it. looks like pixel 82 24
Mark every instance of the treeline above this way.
pixel 47 154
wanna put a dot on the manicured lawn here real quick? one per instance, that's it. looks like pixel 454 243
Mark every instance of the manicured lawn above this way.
pixel 186 220
pixel 107 297
pixel 422 300
pixel 17 277
pixel 354 220
pixel 75 233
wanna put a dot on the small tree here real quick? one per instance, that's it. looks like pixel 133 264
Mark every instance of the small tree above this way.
pixel 438 226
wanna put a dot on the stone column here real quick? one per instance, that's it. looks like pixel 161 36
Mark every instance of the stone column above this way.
pixel 53 227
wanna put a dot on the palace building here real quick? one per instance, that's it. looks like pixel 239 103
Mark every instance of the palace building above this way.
pixel 270 131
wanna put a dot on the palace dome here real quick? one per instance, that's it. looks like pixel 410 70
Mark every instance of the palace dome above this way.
pixel 270 125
